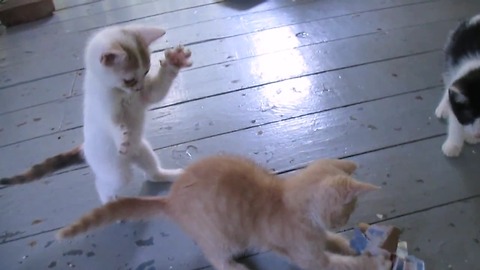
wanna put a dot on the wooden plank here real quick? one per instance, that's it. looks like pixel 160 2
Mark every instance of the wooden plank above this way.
pixel 180 17
pixel 62 4
pixel 234 48
pixel 287 144
pixel 265 69
pixel 173 125
pixel 107 8
pixel 172 248
pixel 124 10
pixel 279 146
pixel 68 57
pixel 26 57
pixel 39 92
pixel 167 16
pixel 27 124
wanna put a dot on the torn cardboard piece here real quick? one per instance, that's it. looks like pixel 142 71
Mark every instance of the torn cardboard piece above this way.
pixel 378 239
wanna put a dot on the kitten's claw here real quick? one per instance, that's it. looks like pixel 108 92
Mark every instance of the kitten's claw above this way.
pixel 451 149
pixel 178 57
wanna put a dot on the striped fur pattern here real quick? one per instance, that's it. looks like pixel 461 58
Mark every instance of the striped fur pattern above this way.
pixel 229 205
pixel 48 166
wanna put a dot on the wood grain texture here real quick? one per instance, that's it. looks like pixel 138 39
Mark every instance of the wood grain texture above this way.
pixel 282 82
pixel 269 68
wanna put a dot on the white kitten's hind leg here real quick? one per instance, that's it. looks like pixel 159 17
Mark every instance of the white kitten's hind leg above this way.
pixel 111 178
pixel 454 143
pixel 443 107
pixel 147 160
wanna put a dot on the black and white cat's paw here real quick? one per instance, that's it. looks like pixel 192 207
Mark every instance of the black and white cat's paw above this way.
pixel 471 139
pixel 178 57
pixel 451 149
pixel 441 111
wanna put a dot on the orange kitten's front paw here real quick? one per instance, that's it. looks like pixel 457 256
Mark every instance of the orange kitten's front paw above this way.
pixel 178 57
pixel 382 263
pixel 377 262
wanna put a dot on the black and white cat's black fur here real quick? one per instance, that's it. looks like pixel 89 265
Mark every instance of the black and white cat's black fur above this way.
pixel 461 100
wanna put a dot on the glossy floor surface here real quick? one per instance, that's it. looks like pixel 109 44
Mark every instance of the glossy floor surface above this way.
pixel 282 82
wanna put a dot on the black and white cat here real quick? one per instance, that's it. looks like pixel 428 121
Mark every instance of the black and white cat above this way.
pixel 461 101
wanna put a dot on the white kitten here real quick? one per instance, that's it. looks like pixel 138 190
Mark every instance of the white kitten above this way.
pixel 117 93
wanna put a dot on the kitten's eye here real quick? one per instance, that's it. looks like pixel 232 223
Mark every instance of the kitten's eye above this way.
pixel 130 82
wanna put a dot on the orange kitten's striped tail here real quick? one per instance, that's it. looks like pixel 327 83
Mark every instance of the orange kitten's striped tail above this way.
pixel 50 165
pixel 121 209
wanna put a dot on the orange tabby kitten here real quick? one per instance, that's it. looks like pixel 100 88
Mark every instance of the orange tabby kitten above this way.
pixel 229 205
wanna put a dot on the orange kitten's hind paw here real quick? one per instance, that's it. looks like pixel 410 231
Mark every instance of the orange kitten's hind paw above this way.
pixel 178 57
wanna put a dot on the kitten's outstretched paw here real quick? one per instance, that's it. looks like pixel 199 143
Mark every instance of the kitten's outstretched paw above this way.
pixel 178 57
pixel 451 149
pixel 441 111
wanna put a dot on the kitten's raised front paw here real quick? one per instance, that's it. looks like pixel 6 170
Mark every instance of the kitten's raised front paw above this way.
pixel 441 111
pixel 178 57
pixel 451 149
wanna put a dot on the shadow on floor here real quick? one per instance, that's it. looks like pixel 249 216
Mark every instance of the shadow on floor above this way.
pixel 242 4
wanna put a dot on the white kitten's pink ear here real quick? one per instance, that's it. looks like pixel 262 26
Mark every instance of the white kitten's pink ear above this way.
pixel 113 57
pixel 148 33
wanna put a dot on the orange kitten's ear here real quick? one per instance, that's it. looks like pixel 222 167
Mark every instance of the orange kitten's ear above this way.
pixel 350 188
pixel 148 33
pixel 344 165
pixel 113 57
pixel 358 188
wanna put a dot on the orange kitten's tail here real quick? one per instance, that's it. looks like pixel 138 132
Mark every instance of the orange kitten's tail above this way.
pixel 121 209
pixel 48 166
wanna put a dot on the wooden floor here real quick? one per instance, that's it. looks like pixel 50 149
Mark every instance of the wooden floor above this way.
pixel 283 82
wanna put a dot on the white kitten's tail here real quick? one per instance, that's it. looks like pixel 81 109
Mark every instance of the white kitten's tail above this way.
pixel 121 209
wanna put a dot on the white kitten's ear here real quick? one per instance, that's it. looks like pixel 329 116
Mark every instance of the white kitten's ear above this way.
pixel 148 33
pixel 113 57
pixel 456 95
